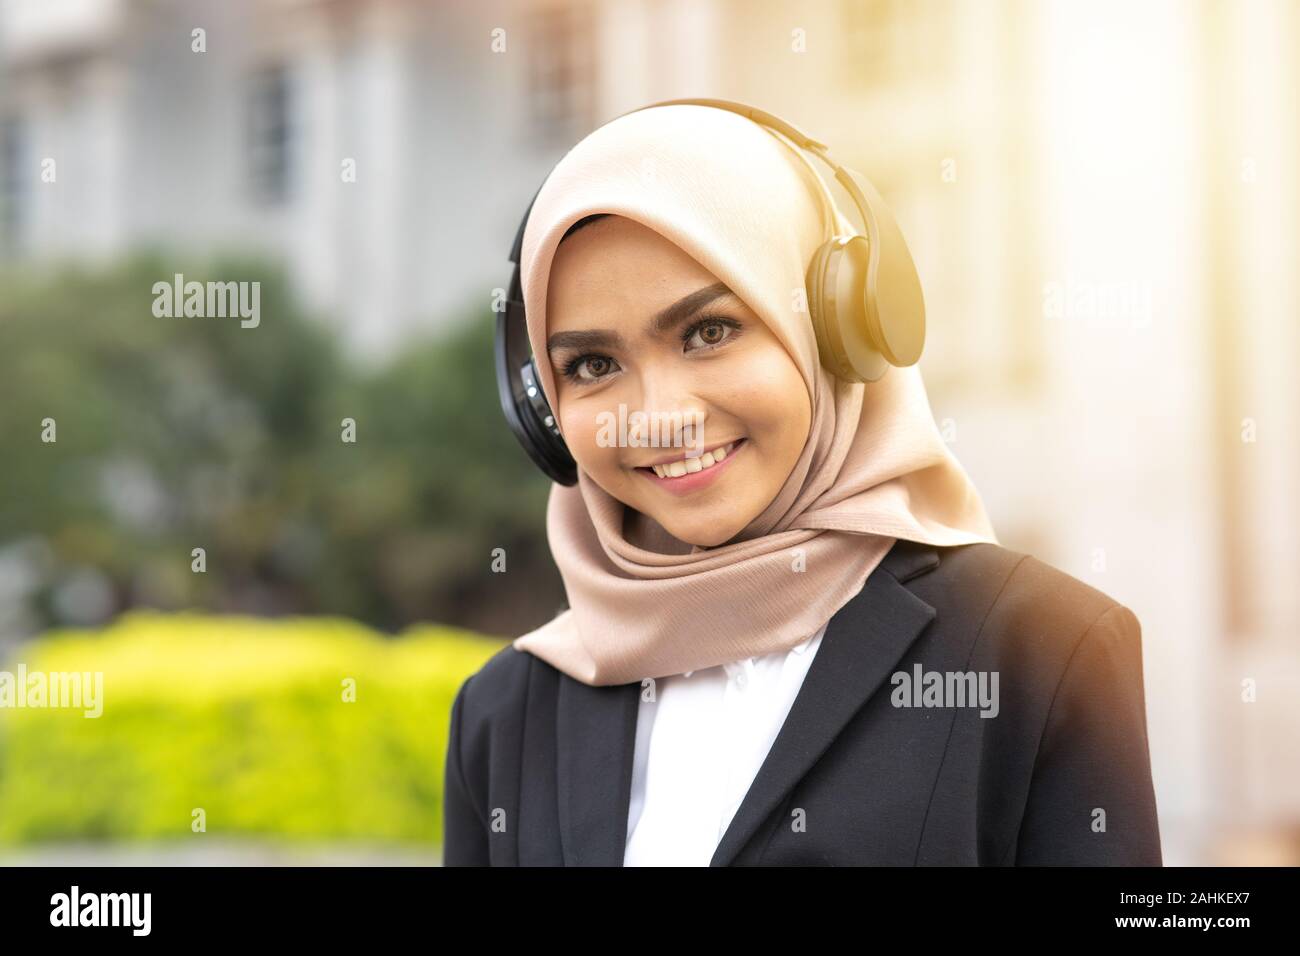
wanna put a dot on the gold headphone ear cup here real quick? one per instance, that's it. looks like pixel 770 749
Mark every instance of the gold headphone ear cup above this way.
pixel 823 313
pixel 893 304
pixel 843 263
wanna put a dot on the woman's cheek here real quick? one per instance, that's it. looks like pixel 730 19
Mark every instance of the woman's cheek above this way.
pixel 589 441
pixel 769 391
pixel 580 435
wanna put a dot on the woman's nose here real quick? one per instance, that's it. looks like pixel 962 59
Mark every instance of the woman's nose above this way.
pixel 670 401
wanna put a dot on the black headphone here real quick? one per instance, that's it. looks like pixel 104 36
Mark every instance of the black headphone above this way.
pixel 864 298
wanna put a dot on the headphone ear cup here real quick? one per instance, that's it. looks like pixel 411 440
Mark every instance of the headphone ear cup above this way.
pixel 522 400
pixel 893 302
pixel 829 348
pixel 545 442
pixel 838 302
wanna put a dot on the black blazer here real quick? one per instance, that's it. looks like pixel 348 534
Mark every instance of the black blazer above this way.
pixel 539 765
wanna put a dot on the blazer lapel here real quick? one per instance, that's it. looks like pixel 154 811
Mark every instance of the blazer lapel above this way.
pixel 863 642
pixel 596 734
pixel 596 726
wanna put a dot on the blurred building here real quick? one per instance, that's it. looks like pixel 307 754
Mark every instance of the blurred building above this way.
pixel 379 149
pixel 1100 198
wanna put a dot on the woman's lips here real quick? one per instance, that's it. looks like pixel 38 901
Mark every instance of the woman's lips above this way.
pixel 694 480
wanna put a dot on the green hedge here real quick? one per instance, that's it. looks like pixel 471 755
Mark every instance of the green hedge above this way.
pixel 178 433
pixel 244 718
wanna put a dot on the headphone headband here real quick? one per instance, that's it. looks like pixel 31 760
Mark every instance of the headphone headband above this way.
pixel 761 117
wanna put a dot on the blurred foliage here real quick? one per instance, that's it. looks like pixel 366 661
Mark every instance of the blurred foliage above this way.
pixel 244 719
pixel 177 433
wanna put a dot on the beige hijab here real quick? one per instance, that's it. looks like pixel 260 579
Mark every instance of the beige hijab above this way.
pixel 749 207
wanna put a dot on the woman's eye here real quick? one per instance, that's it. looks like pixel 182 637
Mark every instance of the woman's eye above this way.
pixel 704 334
pixel 596 367
pixel 710 332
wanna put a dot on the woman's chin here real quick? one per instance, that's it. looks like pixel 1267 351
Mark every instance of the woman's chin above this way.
pixel 708 535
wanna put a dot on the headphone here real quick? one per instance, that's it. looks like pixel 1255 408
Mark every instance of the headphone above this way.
pixel 864 299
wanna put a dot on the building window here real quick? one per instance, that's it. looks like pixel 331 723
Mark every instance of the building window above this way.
pixel 269 134
pixel 14 177
pixel 561 72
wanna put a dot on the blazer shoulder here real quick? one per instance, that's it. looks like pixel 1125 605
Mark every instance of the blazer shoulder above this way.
pixel 1024 586
pixel 495 690
pixel 1028 617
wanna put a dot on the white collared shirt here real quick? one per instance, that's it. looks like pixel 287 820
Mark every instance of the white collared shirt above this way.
pixel 699 745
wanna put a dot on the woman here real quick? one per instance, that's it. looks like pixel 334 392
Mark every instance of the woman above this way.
pixel 793 638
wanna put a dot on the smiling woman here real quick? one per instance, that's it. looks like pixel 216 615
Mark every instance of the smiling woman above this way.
pixel 701 355
pixel 719 689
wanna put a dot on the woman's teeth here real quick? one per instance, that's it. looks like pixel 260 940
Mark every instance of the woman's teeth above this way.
pixel 687 466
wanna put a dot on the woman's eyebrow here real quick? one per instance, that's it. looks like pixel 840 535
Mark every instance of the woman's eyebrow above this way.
pixel 668 318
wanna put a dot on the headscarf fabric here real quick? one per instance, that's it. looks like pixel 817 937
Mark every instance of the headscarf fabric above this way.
pixel 741 200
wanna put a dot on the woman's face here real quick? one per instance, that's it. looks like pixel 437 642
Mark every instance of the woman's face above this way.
pixel 634 321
